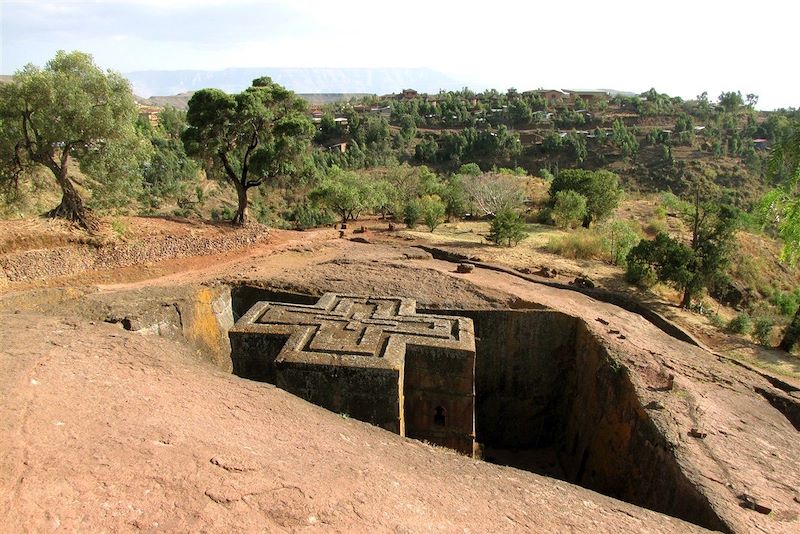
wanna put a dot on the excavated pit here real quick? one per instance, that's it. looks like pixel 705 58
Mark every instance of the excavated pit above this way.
pixel 549 398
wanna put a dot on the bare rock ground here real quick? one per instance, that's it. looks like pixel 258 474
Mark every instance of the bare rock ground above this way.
pixel 96 448
pixel 106 430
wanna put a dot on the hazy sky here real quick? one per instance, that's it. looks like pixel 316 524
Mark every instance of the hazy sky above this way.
pixel 681 47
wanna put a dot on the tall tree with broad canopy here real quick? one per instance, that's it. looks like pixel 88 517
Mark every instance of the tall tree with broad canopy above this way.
pixel 600 188
pixel 701 263
pixel 249 137
pixel 70 109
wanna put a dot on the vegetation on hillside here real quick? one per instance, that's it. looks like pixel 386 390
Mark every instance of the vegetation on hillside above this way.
pixel 510 158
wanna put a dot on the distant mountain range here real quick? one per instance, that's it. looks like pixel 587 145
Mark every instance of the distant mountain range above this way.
pixel 300 80
pixel 317 86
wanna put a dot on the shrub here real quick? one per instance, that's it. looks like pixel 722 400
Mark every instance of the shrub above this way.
pixel 412 213
pixel 786 302
pixel 662 258
pixel 739 324
pixel 119 227
pixel 673 203
pixel 546 175
pixel 581 244
pixel 224 214
pixel 762 329
pixel 507 228
pixel 432 210
pixel 307 216
pixel 618 239
pixel 716 320
pixel 600 188
pixel 470 169
pixel 569 209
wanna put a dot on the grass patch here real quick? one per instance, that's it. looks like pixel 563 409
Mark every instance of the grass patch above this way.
pixel 580 245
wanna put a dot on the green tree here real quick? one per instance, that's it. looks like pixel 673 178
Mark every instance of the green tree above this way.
pixel 619 238
pixel 600 188
pixel 408 129
pixel 412 182
pixel 569 208
pixel 730 101
pixel 256 135
pixel 623 138
pixel 385 197
pixel 345 193
pixel 781 207
pixel 470 169
pixel 519 112
pixel 169 170
pixel 432 210
pixel 412 212
pixel 70 110
pixel 669 259
pixel 507 228
pixel 454 196
pixel 692 267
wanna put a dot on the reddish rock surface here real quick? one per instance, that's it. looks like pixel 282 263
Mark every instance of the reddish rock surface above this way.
pixel 106 430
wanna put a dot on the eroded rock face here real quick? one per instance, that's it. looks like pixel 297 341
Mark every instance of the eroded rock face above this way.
pixel 547 389
pixel 372 358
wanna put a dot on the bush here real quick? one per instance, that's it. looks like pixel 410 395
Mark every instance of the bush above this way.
pixel 762 330
pixel 119 227
pixel 432 210
pixel 412 213
pixel 673 203
pixel 224 214
pixel 618 239
pixel 569 209
pixel 307 216
pixel 581 245
pixel 507 228
pixel 739 324
pixel 716 320
pixel 600 188
pixel 786 302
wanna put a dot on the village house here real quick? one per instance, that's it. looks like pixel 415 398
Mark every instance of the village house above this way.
pixel 552 96
pixel 589 97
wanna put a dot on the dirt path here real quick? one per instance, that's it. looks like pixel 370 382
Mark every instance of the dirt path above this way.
pixel 277 251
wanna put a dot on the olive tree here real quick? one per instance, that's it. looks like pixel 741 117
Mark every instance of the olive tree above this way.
pixel 70 110
pixel 249 137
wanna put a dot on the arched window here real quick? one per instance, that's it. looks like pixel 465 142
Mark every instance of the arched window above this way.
pixel 439 417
